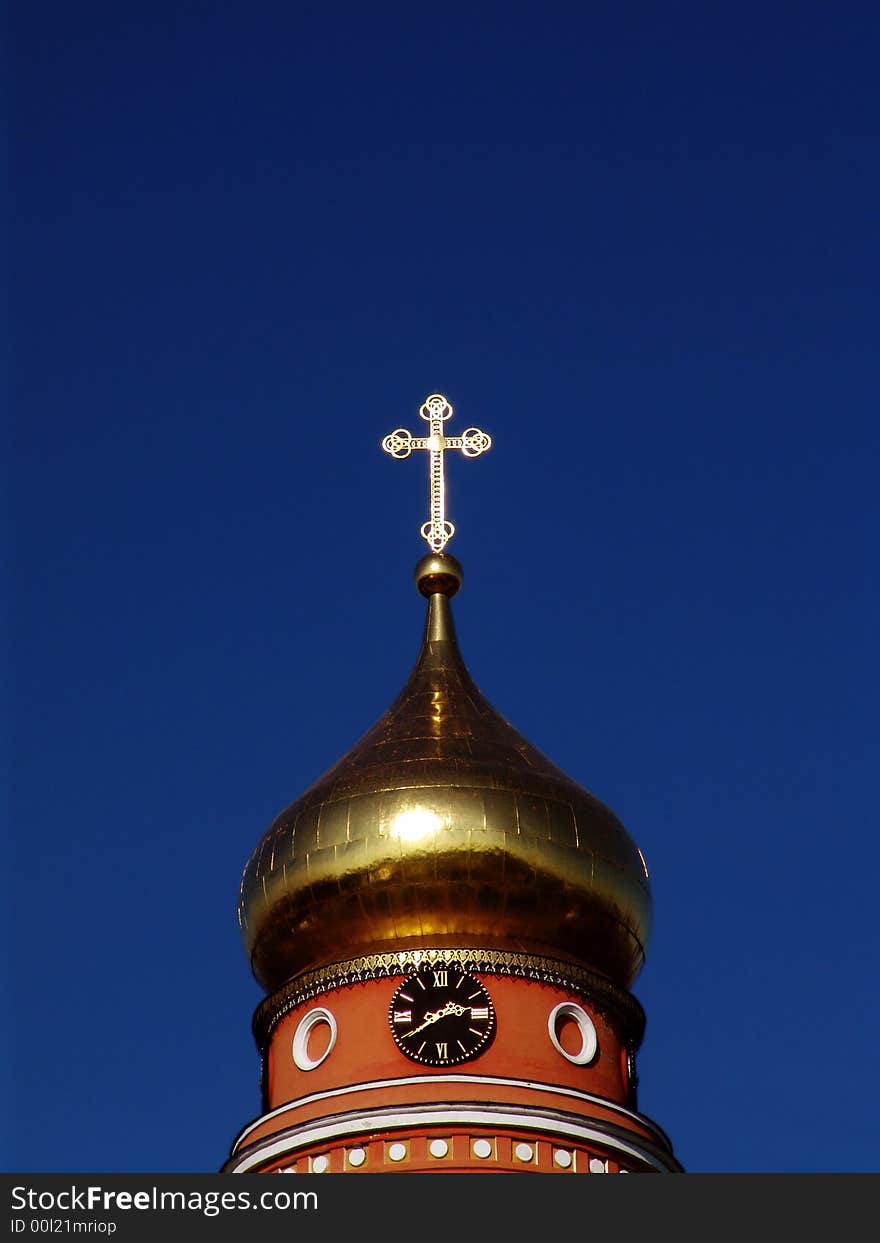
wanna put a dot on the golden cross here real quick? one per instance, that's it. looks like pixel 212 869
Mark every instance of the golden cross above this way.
pixel 438 530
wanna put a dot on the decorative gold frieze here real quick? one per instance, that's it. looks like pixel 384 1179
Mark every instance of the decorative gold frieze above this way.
pixel 588 984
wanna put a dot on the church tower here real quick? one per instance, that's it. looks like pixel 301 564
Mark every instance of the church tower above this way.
pixel 447 928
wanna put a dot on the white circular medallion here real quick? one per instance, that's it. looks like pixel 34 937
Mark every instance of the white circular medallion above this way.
pixel 356 1157
pixel 320 1164
pixel 438 1148
pixel 589 1042
pixel 482 1148
pixel 597 1166
pixel 397 1152
pixel 563 1158
pixel 301 1038
pixel 523 1152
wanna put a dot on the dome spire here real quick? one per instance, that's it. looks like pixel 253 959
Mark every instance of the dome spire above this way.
pixel 438 578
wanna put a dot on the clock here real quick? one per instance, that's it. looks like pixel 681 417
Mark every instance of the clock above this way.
pixel 441 1016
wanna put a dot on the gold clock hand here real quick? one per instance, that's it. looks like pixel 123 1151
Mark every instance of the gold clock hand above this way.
pixel 431 1017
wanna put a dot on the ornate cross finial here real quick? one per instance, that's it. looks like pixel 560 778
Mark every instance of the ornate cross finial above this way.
pixel 438 530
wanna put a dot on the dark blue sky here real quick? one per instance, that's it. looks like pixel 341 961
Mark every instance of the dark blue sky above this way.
pixel 638 244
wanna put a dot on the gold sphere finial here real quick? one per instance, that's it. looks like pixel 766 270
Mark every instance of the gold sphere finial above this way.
pixel 438 574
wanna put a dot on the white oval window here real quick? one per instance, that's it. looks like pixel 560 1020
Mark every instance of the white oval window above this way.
pixel 305 1027
pixel 589 1042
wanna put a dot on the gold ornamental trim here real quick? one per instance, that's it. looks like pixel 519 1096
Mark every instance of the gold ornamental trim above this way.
pixel 590 985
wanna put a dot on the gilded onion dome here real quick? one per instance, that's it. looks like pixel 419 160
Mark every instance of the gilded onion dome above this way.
pixel 443 826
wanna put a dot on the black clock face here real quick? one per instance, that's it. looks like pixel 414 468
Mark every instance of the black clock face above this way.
pixel 441 1016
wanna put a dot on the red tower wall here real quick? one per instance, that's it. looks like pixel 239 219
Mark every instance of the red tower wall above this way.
pixel 356 1103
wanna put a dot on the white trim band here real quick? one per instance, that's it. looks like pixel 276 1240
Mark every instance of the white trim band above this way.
pixel 345 1126
pixel 495 1081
